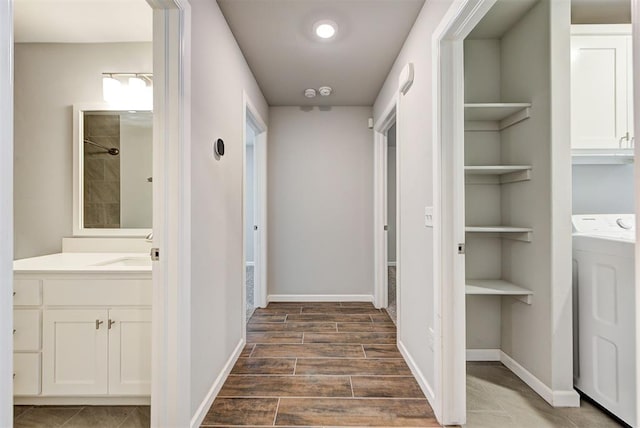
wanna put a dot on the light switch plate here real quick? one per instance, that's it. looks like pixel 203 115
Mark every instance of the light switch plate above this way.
pixel 428 216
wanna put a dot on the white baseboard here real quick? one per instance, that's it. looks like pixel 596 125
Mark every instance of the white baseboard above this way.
pixel 483 354
pixel 320 298
pixel 200 414
pixel 417 373
pixel 558 398
pixel 41 400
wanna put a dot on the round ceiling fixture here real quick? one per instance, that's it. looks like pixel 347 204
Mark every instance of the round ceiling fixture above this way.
pixel 325 91
pixel 310 93
pixel 325 29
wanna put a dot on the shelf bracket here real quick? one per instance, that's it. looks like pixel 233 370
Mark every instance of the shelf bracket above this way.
pixel 514 177
pixel 517 117
pixel 518 236
pixel 527 299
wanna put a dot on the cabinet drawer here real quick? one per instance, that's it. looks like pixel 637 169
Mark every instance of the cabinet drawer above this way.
pixel 27 292
pixel 26 326
pixel 26 370
pixel 101 292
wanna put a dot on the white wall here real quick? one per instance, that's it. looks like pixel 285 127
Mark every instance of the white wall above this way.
pixel 219 76
pixel 136 161
pixel 391 194
pixel 320 192
pixel 603 189
pixel 49 79
pixel 6 213
pixel 249 197
pixel 415 176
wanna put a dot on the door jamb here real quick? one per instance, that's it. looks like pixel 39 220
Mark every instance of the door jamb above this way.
pixel 380 263
pixel 449 230
pixel 635 20
pixel 6 213
pixel 251 115
pixel 171 320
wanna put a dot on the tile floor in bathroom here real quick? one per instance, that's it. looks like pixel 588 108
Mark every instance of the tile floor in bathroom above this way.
pixel 81 416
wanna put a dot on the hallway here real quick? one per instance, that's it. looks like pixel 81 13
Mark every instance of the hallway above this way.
pixel 320 364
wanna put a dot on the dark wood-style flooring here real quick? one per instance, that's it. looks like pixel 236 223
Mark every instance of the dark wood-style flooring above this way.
pixel 320 364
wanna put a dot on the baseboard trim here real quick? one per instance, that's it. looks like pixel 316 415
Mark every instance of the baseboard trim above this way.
pixel 200 414
pixel 43 400
pixel 483 354
pixel 557 398
pixel 320 298
pixel 417 373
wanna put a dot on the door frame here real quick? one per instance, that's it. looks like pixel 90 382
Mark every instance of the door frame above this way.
pixel 635 19
pixel 6 213
pixel 388 118
pixel 171 319
pixel 449 230
pixel 251 116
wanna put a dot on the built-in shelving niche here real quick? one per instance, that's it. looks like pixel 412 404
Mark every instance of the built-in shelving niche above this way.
pixel 495 117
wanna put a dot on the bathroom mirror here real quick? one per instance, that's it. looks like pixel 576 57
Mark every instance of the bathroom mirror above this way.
pixel 112 171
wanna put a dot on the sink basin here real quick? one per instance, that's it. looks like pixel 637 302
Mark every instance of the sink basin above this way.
pixel 127 261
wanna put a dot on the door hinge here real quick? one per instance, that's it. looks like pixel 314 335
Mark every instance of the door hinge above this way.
pixel 155 254
pixel 460 248
pixel 255 227
pixel 386 227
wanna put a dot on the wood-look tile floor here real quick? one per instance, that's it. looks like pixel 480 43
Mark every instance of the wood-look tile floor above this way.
pixel 320 364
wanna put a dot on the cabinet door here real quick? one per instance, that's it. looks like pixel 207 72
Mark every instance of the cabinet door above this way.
pixel 74 352
pixel 599 91
pixel 130 351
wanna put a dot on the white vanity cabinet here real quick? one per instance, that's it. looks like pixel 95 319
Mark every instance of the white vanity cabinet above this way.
pixel 82 338
pixel 601 87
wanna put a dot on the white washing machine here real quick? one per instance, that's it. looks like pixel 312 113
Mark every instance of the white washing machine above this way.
pixel 604 312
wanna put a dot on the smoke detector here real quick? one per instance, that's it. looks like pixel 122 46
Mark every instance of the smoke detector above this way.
pixel 325 91
pixel 310 93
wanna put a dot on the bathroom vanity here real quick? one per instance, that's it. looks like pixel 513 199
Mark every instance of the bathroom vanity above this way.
pixel 82 329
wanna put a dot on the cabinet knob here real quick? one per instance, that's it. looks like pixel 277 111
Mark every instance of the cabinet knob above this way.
pixel 14 331
pixel 98 322
pixel 111 323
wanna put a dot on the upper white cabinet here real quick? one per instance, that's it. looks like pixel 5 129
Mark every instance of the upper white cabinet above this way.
pixel 601 87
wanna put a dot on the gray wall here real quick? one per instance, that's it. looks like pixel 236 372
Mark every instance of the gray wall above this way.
pixel 217 309
pixel 603 189
pixel 320 192
pixel 49 79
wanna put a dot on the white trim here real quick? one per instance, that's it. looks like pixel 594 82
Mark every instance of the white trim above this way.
pixel 448 173
pixel 204 407
pixel 483 354
pixel 6 213
pixel 43 400
pixel 380 236
pixel 635 40
pixel 601 29
pixel 555 398
pixel 320 298
pixel 247 264
pixel 78 177
pixel 417 373
pixel 171 323
pixel 391 264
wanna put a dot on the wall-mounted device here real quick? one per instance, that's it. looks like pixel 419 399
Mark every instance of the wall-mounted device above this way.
pixel 218 147
pixel 405 80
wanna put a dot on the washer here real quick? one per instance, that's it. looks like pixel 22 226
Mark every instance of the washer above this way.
pixel 604 311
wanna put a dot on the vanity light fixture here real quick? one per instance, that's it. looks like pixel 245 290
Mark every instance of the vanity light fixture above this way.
pixel 325 29
pixel 128 89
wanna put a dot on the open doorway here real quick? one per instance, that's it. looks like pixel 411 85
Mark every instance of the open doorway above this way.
pixel 391 225
pixel 255 210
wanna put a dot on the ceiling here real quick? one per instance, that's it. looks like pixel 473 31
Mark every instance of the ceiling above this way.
pixel 82 21
pixel 276 38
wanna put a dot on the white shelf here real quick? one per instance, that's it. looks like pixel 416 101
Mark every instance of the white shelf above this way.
pixel 494 116
pixel 498 174
pixel 497 287
pixel 509 232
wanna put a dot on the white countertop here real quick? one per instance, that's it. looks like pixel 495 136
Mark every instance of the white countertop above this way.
pixel 85 262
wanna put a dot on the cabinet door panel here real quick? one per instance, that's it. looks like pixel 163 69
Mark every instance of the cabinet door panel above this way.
pixel 26 329
pixel 130 352
pixel 74 352
pixel 599 91
pixel 26 370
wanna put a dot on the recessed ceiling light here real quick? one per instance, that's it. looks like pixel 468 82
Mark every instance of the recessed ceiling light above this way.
pixel 310 93
pixel 325 29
